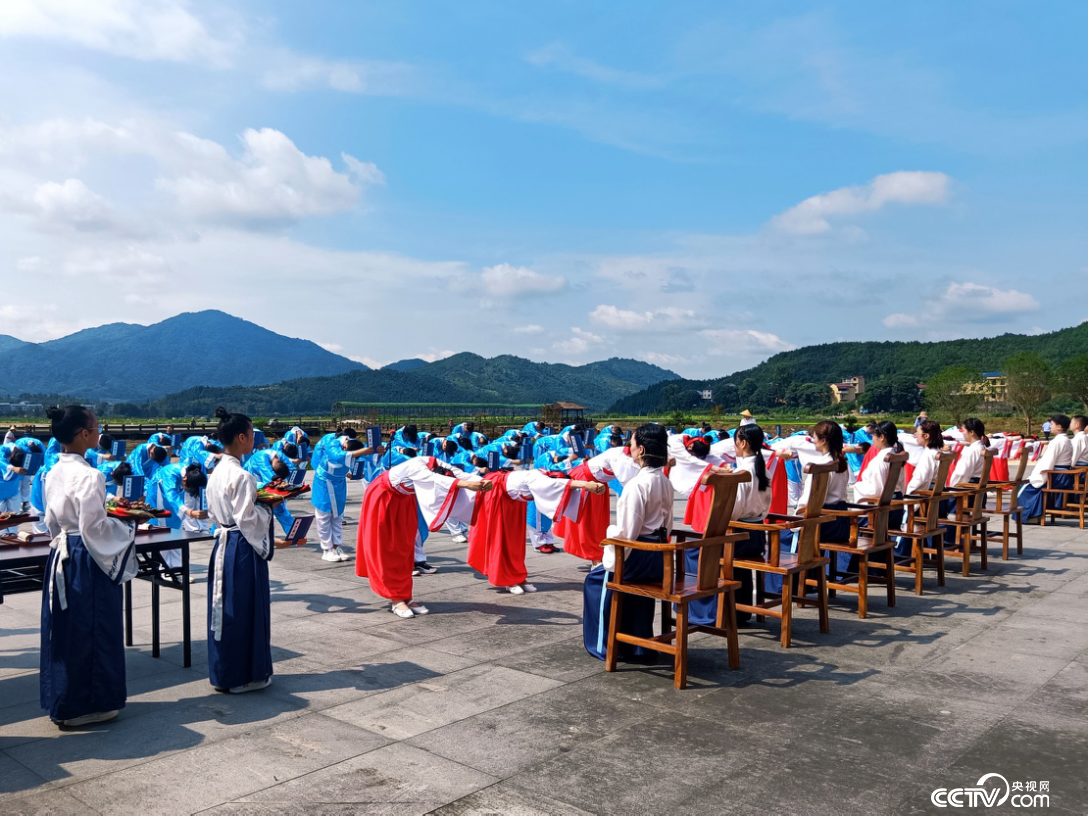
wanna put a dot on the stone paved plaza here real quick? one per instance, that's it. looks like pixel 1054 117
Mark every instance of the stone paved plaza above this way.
pixel 490 704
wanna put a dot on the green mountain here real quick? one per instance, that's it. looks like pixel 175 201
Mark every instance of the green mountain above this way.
pixel 462 378
pixel 769 383
pixel 121 361
pixel 405 365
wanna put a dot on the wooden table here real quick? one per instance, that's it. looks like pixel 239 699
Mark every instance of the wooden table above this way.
pixel 22 569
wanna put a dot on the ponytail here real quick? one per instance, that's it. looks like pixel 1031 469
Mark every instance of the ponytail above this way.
pixel 753 436
pixel 68 422
pixel 654 441
pixel 978 428
pixel 231 426
pixel 830 433
pixel 887 431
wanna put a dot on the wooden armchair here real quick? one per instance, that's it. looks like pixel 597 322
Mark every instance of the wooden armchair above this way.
pixel 867 542
pixel 923 528
pixel 715 548
pixel 969 521
pixel 1071 502
pixel 789 565
pixel 1007 507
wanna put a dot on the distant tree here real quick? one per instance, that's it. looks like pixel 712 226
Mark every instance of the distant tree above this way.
pixel 954 391
pixel 893 393
pixel 808 395
pixel 716 414
pixel 1030 380
pixel 1072 379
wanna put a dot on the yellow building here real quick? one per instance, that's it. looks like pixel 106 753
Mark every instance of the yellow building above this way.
pixel 847 390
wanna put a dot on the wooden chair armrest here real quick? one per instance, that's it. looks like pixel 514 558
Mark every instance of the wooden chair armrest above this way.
pixel 848 513
pixel 755 526
pixel 673 546
pixel 785 518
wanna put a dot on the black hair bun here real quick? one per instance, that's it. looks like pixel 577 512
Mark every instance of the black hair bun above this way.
pixel 222 413
pixel 55 413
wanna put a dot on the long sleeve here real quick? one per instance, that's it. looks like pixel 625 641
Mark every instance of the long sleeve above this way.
pixel 232 502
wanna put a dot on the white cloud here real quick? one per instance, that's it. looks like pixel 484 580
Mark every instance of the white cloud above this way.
pixel 335 348
pixel 273 181
pixel 904 187
pixel 127 266
pixel 965 303
pixel 667 319
pixel 434 356
pixel 505 280
pixel 141 29
pixel 561 58
pixel 289 71
pixel 742 342
pixel 579 342
pixel 530 329
pixel 71 203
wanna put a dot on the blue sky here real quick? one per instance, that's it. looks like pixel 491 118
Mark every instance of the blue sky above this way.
pixel 699 185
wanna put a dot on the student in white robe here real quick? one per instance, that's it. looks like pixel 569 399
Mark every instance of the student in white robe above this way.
pixel 752 504
pixel 644 512
pixel 1079 426
pixel 1057 455
pixel 82 641
pixel 239 602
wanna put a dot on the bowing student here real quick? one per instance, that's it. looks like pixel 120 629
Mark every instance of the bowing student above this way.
pixel 239 602
pixel 582 538
pixel 177 489
pixel 146 458
pixel 645 513
pixel 91 555
pixel 496 540
pixel 329 491
pixel 266 466
pixel 389 523
pixel 200 450
pixel 1057 455
pixel 752 504
pixel 12 473
pixel 101 452
pixel 114 473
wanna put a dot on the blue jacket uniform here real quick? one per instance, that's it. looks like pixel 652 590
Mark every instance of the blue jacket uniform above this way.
pixel 329 492
pixel 10 481
pixel 260 465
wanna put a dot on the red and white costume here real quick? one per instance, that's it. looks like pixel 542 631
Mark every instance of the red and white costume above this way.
pixel 583 538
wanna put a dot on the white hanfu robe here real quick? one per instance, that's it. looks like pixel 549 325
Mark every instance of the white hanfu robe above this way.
pixel 82 641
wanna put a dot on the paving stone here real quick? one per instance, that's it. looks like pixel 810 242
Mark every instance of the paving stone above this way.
pixel 426 705
pixel 396 779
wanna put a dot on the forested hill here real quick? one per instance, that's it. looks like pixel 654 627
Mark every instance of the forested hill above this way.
pixel 464 378
pixel 123 361
pixel 768 383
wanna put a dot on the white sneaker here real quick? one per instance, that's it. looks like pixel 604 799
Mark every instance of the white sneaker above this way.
pixel 330 555
pixel 343 556
pixel 515 590
pixel 418 608
pixel 460 539
pixel 89 719
pixel 528 587
pixel 256 685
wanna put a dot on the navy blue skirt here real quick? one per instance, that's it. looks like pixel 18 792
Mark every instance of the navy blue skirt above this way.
pixel 83 646
pixel 243 653
pixel 636 614
pixel 1031 497
pixel 704 612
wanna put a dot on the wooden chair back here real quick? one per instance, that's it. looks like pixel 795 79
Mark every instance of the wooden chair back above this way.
pixel 896 463
pixel 717 524
pixel 1022 465
pixel 933 510
pixel 809 533
pixel 978 500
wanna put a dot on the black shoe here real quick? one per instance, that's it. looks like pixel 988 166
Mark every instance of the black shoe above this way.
pixel 423 568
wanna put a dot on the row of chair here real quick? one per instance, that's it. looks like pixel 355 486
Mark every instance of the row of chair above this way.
pixel 808 575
